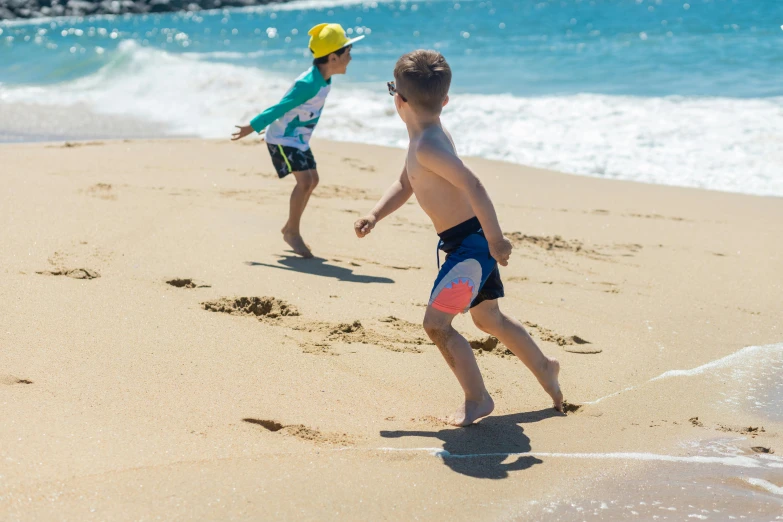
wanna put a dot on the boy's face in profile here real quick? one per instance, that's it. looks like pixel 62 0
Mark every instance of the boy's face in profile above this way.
pixel 343 60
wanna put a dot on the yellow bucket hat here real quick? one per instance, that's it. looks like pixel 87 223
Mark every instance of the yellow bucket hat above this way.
pixel 328 38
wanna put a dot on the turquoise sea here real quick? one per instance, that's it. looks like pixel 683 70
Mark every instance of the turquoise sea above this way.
pixel 661 91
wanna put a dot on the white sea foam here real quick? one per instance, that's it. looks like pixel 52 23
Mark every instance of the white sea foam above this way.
pixel 724 362
pixel 765 484
pixel 718 143
pixel 742 364
pixel 734 461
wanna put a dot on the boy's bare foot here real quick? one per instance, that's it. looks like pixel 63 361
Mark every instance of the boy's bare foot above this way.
pixel 470 412
pixel 285 231
pixel 298 245
pixel 550 383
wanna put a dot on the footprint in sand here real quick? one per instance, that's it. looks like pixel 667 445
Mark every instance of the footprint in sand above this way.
pixel 101 191
pixel 752 431
pixel 486 344
pixel 261 307
pixel 490 344
pixel 268 425
pixel 302 432
pixel 187 283
pixel 10 380
pixel 75 273
pixel 572 343
pixel 744 430
pixel 358 164
pixel 356 333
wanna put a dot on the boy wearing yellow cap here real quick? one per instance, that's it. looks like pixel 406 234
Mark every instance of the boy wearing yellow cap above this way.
pixel 289 124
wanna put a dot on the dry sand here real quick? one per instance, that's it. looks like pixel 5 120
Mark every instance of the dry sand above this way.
pixel 124 397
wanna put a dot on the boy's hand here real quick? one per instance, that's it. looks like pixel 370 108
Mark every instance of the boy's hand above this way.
pixel 364 225
pixel 501 251
pixel 243 131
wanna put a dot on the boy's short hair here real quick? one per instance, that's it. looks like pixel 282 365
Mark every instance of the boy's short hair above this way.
pixel 423 79
pixel 325 59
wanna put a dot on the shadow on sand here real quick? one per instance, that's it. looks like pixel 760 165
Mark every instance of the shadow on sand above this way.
pixel 318 266
pixel 480 450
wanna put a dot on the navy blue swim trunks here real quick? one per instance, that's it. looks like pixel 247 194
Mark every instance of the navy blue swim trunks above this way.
pixel 290 159
pixel 470 274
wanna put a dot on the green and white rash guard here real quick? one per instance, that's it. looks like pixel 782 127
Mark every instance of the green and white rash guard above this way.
pixel 291 122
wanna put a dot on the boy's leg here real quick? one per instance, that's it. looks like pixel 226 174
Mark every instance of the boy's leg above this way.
pixel 488 318
pixel 460 358
pixel 306 181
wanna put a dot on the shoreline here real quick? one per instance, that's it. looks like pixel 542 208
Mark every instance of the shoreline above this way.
pixel 128 386
pixel 142 137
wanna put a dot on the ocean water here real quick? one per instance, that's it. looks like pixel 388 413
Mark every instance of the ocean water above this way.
pixel 686 93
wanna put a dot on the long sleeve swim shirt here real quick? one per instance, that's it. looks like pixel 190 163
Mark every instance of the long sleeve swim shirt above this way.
pixel 291 122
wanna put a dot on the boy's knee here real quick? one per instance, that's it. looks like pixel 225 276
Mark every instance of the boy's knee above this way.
pixel 308 181
pixel 436 330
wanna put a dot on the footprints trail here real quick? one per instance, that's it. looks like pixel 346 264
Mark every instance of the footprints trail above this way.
pixel 548 335
pixel 319 336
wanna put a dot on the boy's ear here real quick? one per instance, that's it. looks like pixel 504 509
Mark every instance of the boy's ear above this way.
pixel 446 101
pixel 398 102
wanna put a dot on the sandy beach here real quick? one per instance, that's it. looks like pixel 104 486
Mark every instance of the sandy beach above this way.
pixel 164 356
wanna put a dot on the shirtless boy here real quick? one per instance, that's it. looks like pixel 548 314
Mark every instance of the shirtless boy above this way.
pixel 465 219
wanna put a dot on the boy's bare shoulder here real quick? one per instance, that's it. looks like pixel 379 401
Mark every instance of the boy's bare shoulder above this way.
pixel 434 144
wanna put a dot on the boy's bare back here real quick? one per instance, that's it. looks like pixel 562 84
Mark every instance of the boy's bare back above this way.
pixel 429 167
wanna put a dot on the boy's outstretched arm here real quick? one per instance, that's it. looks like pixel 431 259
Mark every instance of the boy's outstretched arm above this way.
pixel 299 93
pixel 447 165
pixel 395 197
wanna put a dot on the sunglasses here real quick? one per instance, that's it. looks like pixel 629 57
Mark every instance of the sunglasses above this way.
pixel 393 90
